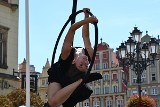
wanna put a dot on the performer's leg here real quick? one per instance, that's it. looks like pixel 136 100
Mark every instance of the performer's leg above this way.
pixel 58 95
pixel 79 95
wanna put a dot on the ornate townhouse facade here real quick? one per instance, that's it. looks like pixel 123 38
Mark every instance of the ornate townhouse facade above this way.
pixel 9 13
pixel 109 91
pixel 43 82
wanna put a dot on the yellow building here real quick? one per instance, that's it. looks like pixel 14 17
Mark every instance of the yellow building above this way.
pixel 43 82
pixel 9 13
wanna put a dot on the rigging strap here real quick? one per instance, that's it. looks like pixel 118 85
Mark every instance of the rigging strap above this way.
pixel 74 9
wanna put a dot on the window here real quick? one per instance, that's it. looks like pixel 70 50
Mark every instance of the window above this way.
pixel 134 79
pixel 32 84
pixel 106 77
pixel 86 104
pixel 104 66
pixel 6 85
pixel 153 77
pixel 97 90
pixel 143 78
pixel 96 104
pixel 154 91
pixel 115 88
pixel 4 0
pixel 46 81
pixel 153 64
pixel 97 66
pixel 43 82
pixel 1 84
pixel 3 47
pixel 104 55
pixel 144 92
pixel 134 92
pixel 109 103
pixel 119 103
pixel 114 76
pixel 97 56
pixel 106 90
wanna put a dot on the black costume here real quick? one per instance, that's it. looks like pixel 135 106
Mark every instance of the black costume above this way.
pixel 60 73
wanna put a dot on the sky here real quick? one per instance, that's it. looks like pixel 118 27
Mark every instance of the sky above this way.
pixel 117 18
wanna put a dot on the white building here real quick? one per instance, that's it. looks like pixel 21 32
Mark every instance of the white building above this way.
pixel 9 13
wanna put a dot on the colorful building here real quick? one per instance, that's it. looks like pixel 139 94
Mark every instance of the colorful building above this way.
pixel 109 91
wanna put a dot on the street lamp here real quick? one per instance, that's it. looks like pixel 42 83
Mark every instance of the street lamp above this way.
pixel 137 55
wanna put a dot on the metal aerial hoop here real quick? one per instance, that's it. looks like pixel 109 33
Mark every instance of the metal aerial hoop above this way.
pixel 72 19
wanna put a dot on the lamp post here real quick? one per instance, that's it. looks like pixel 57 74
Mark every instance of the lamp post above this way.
pixel 137 55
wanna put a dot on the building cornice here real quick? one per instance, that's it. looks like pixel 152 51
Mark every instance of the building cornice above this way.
pixel 13 7
pixel 143 85
pixel 109 69
pixel 109 94
pixel 8 76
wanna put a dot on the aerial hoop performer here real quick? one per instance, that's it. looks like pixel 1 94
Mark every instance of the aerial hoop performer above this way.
pixel 68 77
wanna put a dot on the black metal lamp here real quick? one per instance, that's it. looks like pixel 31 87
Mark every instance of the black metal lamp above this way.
pixel 136 34
pixel 130 44
pixel 145 51
pixel 153 46
pixel 133 52
pixel 145 55
pixel 122 51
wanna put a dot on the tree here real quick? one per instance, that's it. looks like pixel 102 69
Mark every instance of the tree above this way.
pixel 5 102
pixel 18 97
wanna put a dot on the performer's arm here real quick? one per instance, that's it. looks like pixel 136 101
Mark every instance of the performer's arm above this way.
pixel 67 45
pixel 85 34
